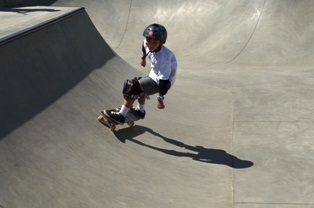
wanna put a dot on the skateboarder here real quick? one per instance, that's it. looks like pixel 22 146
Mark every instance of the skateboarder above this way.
pixel 161 77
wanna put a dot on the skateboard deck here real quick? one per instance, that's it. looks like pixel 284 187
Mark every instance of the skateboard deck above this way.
pixel 111 123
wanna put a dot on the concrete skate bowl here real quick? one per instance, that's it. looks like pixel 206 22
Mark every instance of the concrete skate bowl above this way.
pixel 245 68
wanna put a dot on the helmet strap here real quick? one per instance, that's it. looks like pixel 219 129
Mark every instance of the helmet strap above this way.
pixel 158 49
pixel 146 55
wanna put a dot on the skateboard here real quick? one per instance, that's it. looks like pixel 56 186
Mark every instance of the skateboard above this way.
pixel 111 123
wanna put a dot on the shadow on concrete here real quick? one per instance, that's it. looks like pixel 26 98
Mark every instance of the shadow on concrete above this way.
pixel 54 60
pixel 198 153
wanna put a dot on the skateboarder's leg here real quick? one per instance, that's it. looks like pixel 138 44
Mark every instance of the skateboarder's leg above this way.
pixel 126 106
pixel 139 110
pixel 120 115
pixel 131 91
pixel 141 100
pixel 128 103
pixel 141 103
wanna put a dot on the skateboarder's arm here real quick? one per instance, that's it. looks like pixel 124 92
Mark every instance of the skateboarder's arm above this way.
pixel 143 50
pixel 174 66
pixel 143 59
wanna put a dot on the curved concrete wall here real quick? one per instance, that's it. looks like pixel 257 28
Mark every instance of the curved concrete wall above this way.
pixel 237 130
pixel 244 31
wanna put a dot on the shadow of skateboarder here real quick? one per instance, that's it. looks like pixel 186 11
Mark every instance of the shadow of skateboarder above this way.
pixel 198 153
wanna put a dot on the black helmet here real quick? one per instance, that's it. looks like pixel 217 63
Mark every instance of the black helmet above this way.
pixel 156 31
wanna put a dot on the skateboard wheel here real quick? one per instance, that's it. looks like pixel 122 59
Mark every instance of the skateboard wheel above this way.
pixel 131 123
pixel 100 118
pixel 112 127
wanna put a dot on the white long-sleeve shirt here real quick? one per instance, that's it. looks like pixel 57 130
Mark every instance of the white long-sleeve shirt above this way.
pixel 163 64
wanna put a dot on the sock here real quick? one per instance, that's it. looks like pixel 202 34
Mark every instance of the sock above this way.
pixel 141 107
pixel 124 110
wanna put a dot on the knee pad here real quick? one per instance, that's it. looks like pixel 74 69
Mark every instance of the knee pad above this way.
pixel 164 86
pixel 132 89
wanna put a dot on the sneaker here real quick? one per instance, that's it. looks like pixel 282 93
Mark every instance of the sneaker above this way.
pixel 138 113
pixel 116 115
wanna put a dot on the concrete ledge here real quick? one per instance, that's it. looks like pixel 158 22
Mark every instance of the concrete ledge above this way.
pixel 18 21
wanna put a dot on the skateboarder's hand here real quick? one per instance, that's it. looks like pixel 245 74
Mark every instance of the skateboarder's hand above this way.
pixel 143 62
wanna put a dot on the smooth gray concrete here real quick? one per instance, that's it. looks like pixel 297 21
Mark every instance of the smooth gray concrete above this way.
pixel 237 130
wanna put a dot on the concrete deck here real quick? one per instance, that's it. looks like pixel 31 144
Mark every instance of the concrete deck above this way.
pixel 237 130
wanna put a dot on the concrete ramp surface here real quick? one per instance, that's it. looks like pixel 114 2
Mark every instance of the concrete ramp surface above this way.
pixel 237 130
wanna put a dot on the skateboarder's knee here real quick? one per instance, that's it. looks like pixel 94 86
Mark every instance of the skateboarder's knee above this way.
pixel 132 89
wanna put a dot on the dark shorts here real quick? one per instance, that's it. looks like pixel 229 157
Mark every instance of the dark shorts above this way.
pixel 149 86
